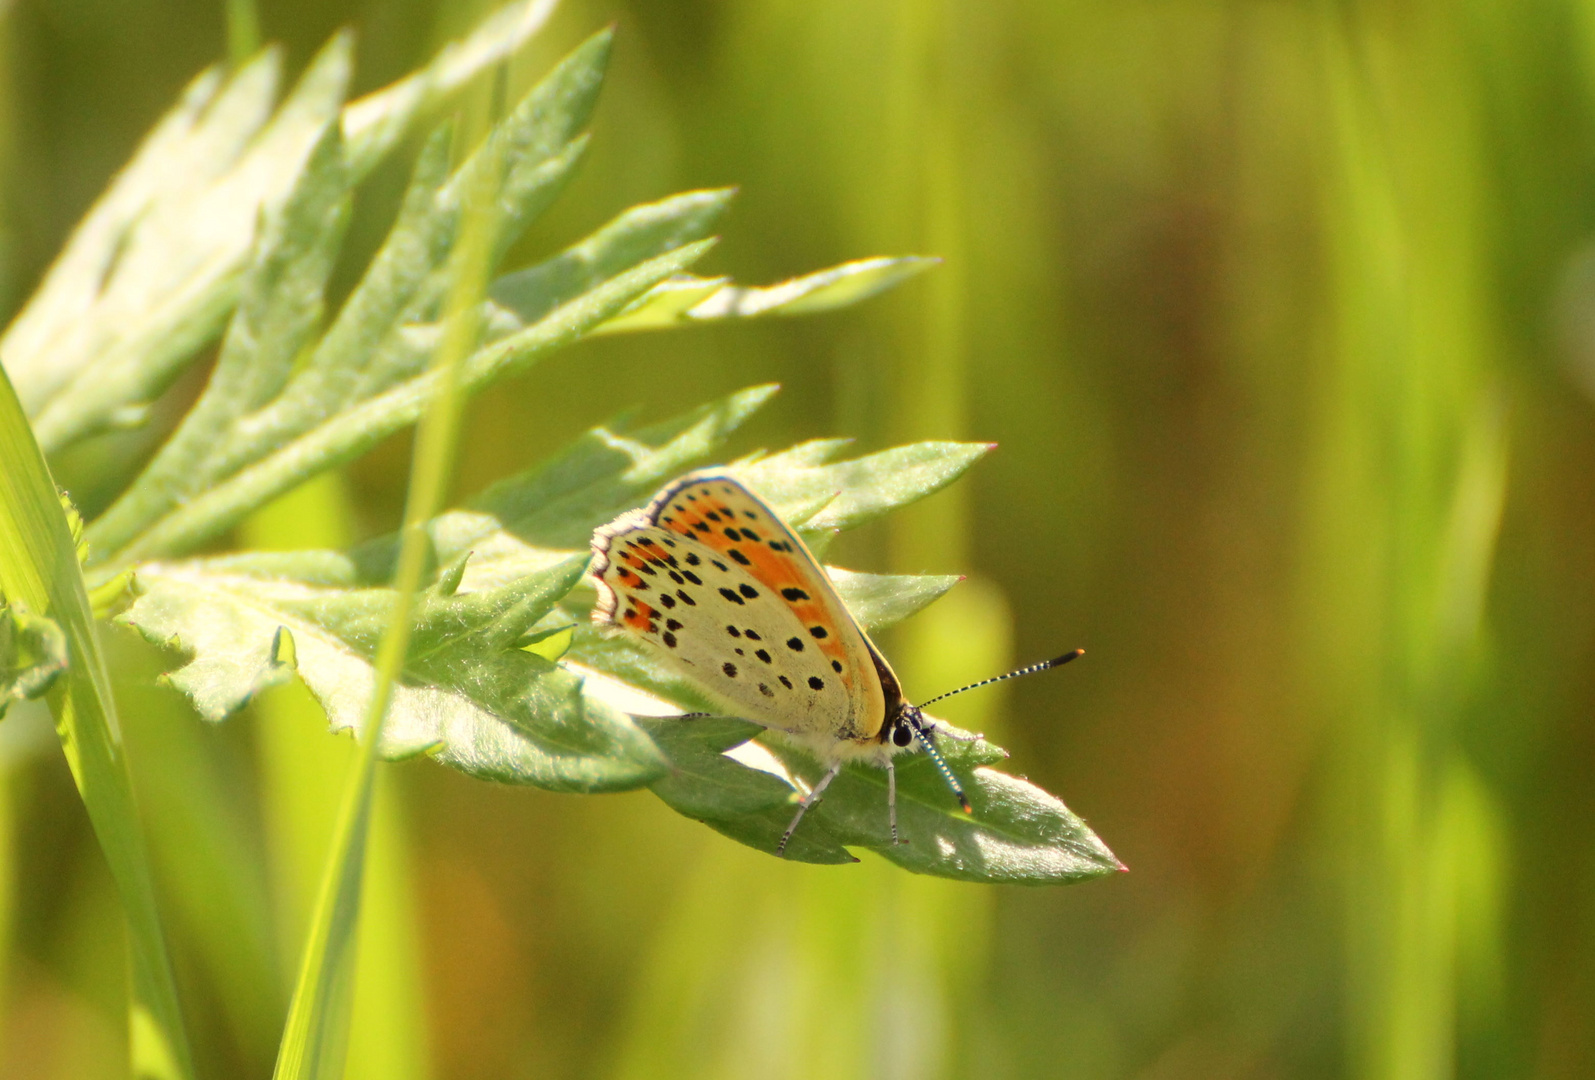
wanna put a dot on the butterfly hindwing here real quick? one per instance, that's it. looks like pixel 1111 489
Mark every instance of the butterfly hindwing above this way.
pixel 732 598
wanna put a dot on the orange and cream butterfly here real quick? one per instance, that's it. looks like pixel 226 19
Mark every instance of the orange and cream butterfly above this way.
pixel 727 595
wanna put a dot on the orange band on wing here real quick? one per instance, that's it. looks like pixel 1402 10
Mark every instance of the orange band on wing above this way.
pixel 715 525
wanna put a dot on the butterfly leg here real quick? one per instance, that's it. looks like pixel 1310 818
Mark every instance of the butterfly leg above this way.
pixel 803 807
pixel 891 799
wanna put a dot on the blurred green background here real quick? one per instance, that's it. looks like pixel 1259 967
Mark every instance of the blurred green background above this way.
pixel 1283 316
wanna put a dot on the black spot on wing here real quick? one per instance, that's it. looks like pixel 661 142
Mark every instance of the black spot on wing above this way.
pixel 816 683
pixel 730 669
pixel 739 557
pixel 794 594
pixel 749 591
pixel 733 596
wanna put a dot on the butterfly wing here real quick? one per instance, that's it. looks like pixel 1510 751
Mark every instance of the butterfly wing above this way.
pixel 805 667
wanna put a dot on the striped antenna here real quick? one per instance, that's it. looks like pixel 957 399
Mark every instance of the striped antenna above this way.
pixel 1045 665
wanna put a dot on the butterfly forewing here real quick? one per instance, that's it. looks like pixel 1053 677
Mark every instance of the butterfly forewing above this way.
pixel 728 595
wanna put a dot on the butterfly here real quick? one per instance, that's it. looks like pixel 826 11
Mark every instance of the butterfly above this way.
pixel 723 592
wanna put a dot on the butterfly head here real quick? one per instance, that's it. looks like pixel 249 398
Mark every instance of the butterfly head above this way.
pixel 909 720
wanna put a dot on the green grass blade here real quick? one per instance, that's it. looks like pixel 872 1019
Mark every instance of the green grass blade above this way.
pixel 315 1040
pixel 243 31
pixel 39 567
pixel 302 774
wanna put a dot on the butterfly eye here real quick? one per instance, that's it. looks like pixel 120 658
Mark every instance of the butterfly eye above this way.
pixel 901 735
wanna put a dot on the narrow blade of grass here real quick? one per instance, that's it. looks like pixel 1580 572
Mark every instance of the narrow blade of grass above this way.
pixel 315 1040
pixel 39 568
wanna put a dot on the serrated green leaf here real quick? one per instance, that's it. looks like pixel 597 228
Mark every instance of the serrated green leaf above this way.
pixel 279 309
pixel 532 519
pixel 666 305
pixel 703 782
pixel 374 124
pixel 268 421
pixel 151 273
pixel 551 644
pixel 642 232
pixel 748 805
pixel 57 333
pixel 472 698
pixel 32 654
pixel 1017 833
pixel 357 429
pixel 529 521
pixel 611 469
pixel 861 489
pixel 763 830
pixel 881 600
pixel 689 301
pixel 176 276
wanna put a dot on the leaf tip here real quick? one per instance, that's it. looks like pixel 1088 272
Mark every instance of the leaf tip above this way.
pixel 284 651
